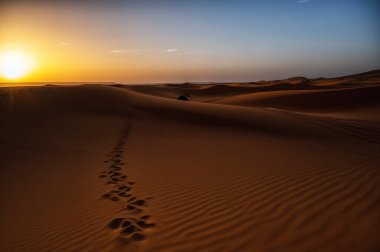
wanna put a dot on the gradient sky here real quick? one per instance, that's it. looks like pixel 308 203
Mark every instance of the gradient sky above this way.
pixel 139 41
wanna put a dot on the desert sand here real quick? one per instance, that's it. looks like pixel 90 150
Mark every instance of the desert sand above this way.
pixel 285 165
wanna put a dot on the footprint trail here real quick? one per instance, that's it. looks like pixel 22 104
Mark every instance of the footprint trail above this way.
pixel 135 221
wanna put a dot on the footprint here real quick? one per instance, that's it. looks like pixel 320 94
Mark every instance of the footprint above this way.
pixel 143 224
pixel 114 198
pixel 138 237
pixel 132 199
pixel 130 229
pixel 115 223
pixel 126 224
pixel 139 202
pixel 106 195
pixel 125 188
pixel 123 194
pixel 130 207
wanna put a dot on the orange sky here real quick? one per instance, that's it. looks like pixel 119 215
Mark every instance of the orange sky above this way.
pixel 168 41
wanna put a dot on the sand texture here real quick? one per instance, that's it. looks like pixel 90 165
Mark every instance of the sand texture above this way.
pixel 286 165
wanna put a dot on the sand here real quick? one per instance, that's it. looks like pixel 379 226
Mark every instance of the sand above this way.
pixel 286 165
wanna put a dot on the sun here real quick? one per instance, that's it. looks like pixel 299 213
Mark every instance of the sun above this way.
pixel 15 64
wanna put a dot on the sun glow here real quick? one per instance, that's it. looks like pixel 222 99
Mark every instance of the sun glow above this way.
pixel 15 64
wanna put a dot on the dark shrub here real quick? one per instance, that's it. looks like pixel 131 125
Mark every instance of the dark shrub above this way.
pixel 183 98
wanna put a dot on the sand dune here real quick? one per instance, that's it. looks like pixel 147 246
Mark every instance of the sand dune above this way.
pixel 118 168
pixel 331 100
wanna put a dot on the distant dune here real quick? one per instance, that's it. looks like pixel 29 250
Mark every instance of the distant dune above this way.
pixel 285 165
pixel 331 100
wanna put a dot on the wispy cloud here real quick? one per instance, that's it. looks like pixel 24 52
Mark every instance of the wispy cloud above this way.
pixel 196 51
pixel 205 51
pixel 303 1
pixel 123 51
pixel 172 50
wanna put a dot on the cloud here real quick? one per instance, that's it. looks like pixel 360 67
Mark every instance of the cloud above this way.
pixel 123 51
pixel 205 51
pixel 303 1
pixel 172 50
pixel 116 51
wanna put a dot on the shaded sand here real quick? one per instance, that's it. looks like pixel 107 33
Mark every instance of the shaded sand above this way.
pixel 261 166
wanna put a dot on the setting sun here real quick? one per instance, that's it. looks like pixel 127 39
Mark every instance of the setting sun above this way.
pixel 15 64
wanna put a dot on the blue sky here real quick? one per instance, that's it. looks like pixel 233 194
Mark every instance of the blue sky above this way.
pixel 225 40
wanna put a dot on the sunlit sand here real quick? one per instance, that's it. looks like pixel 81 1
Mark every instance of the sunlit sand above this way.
pixel 288 165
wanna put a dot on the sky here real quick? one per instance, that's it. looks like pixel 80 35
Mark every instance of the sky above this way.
pixel 158 41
